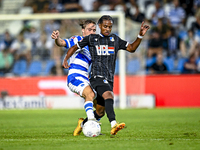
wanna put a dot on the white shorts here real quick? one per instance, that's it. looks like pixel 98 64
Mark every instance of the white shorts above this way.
pixel 78 84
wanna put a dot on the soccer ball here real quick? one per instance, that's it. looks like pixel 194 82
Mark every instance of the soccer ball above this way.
pixel 91 129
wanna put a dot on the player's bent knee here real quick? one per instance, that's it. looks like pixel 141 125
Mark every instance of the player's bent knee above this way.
pixel 108 95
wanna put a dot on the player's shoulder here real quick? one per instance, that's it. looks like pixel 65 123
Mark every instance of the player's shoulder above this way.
pixel 76 37
pixel 114 35
pixel 93 35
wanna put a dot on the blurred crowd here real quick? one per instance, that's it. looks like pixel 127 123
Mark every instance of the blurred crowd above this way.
pixel 172 45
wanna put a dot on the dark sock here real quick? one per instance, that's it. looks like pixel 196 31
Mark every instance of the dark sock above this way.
pixel 110 109
pixel 85 120
pixel 95 115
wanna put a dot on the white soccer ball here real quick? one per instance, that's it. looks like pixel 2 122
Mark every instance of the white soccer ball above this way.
pixel 91 129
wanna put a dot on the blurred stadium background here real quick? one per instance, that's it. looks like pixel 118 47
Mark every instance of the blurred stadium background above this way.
pixel 164 72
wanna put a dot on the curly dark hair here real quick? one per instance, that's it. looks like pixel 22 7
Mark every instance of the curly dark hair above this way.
pixel 105 17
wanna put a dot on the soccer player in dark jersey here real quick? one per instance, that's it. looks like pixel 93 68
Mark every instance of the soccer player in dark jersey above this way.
pixel 103 48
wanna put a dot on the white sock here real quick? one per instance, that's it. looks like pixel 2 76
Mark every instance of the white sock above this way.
pixel 89 109
pixel 113 123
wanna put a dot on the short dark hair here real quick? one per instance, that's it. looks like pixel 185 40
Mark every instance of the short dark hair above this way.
pixel 105 17
pixel 84 23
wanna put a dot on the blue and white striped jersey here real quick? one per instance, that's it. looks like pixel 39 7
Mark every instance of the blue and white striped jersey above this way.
pixel 175 15
pixel 80 61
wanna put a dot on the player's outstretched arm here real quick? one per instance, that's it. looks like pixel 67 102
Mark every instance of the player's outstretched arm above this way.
pixel 59 42
pixel 133 46
pixel 70 52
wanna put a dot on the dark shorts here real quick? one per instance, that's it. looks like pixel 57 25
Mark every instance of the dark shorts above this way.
pixel 101 85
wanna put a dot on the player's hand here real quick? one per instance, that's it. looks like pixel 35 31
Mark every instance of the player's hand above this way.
pixel 55 34
pixel 65 63
pixel 143 29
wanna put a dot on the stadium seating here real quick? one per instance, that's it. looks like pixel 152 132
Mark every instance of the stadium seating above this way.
pixel 20 67
pixel 48 66
pixel 1 74
pixel 198 60
pixel 35 68
pixel 169 62
pixel 133 66
pixel 149 62
pixel 180 65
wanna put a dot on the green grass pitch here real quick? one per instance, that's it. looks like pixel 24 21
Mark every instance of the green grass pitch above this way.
pixel 147 129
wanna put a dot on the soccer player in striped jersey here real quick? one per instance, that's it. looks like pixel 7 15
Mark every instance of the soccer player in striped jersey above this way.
pixel 79 62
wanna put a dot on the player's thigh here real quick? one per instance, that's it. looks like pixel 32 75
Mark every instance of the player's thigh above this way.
pixel 101 85
pixel 88 92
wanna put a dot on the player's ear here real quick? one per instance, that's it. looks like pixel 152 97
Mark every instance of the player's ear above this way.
pixel 99 25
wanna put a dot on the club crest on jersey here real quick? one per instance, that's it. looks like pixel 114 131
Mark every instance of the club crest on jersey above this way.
pixel 104 50
pixel 73 37
pixel 105 81
pixel 112 39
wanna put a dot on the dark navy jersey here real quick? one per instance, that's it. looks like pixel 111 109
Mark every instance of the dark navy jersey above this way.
pixel 103 50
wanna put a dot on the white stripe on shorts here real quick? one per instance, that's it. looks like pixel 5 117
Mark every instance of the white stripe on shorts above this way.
pixel 80 62
pixel 84 73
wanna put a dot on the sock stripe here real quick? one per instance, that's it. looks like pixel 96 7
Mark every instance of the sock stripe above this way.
pixel 88 104
pixel 88 108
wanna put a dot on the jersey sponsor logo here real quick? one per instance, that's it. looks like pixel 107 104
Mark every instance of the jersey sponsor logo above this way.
pixel 104 50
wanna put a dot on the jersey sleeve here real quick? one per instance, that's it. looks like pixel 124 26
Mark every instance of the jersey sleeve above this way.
pixel 72 41
pixel 122 44
pixel 84 42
